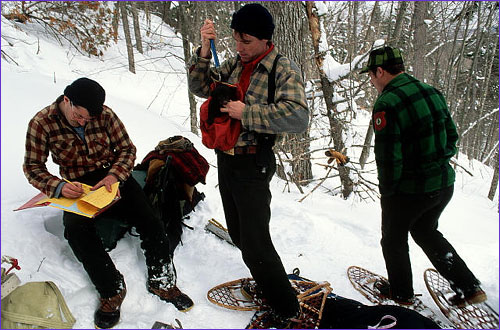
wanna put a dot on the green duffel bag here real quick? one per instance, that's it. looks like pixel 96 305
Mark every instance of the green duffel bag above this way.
pixel 36 305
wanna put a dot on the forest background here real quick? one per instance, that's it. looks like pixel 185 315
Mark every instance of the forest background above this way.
pixel 321 223
pixel 452 45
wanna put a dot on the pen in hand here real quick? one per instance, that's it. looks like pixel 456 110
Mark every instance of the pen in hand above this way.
pixel 69 182
pixel 73 190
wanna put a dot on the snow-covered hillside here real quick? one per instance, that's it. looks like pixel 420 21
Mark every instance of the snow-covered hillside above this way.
pixel 322 235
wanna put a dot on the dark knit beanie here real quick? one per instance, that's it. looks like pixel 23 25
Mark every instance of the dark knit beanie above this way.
pixel 86 93
pixel 255 20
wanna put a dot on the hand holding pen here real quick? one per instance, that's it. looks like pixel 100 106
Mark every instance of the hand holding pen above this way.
pixel 72 189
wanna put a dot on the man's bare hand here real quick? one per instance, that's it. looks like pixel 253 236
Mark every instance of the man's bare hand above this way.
pixel 108 181
pixel 207 32
pixel 234 109
pixel 72 190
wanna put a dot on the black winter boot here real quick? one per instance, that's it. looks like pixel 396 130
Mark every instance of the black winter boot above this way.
pixel 384 290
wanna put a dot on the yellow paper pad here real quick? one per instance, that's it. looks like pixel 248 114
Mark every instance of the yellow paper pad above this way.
pixel 86 208
pixel 101 197
pixel 65 202
pixel 89 204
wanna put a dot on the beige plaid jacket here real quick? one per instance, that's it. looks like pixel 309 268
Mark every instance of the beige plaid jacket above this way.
pixel 288 113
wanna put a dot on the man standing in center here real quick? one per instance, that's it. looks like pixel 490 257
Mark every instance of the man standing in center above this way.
pixel 246 170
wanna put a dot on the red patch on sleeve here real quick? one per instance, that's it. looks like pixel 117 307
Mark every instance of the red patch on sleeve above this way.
pixel 379 120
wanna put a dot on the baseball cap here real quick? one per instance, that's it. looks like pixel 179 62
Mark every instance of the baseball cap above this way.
pixel 382 57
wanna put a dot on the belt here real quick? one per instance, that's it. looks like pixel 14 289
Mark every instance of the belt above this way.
pixel 245 150
pixel 106 165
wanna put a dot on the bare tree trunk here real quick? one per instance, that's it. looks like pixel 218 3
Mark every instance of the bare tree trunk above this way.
pixel 494 181
pixel 192 101
pixel 187 55
pixel 389 30
pixel 291 25
pixel 451 58
pixel 482 145
pixel 398 28
pixel 128 39
pixel 137 27
pixel 336 128
pixel 147 12
pixel 419 36
pixel 469 111
pixel 353 30
pixel 452 96
pixel 371 31
pixel 116 19
pixel 365 153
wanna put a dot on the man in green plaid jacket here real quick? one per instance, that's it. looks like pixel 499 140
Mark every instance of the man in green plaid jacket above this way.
pixel 415 138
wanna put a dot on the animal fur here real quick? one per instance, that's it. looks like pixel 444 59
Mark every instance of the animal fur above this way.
pixel 220 96
pixel 337 156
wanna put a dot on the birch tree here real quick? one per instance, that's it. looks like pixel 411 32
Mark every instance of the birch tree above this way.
pixel 336 127
pixel 128 38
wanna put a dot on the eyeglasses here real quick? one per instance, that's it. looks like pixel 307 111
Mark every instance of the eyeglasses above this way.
pixel 78 116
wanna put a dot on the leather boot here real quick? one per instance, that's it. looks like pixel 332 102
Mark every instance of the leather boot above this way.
pixel 180 300
pixel 108 313
pixel 163 285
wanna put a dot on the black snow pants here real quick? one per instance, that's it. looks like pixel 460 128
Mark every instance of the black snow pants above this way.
pixel 246 198
pixel 87 246
pixel 419 214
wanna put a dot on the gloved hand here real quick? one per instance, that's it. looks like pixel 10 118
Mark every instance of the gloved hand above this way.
pixel 337 156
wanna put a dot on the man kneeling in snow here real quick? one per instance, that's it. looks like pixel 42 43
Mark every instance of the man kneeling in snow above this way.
pixel 90 144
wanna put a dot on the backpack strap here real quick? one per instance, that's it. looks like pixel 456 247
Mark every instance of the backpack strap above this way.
pixel 271 83
pixel 266 140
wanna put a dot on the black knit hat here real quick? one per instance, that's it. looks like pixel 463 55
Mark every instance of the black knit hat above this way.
pixel 86 93
pixel 255 20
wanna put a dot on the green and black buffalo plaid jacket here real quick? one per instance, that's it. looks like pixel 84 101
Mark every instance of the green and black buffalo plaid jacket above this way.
pixel 107 145
pixel 289 113
pixel 415 138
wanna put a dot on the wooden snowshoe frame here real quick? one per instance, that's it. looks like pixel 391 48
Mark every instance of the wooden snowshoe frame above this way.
pixel 362 280
pixel 478 316
pixel 311 297
pixel 228 295
pixel 363 283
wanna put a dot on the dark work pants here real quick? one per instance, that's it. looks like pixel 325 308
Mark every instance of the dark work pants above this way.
pixel 246 198
pixel 87 246
pixel 418 214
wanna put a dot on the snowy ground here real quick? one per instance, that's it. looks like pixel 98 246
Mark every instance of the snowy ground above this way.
pixel 322 235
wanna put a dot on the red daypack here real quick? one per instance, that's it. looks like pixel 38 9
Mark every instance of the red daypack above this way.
pixel 223 133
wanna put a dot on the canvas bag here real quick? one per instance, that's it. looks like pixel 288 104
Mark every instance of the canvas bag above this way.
pixel 35 305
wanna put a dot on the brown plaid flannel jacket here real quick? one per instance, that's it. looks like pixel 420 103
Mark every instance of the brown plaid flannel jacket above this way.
pixel 289 113
pixel 107 145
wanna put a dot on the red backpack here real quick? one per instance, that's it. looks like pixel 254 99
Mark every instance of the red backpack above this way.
pixel 223 133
